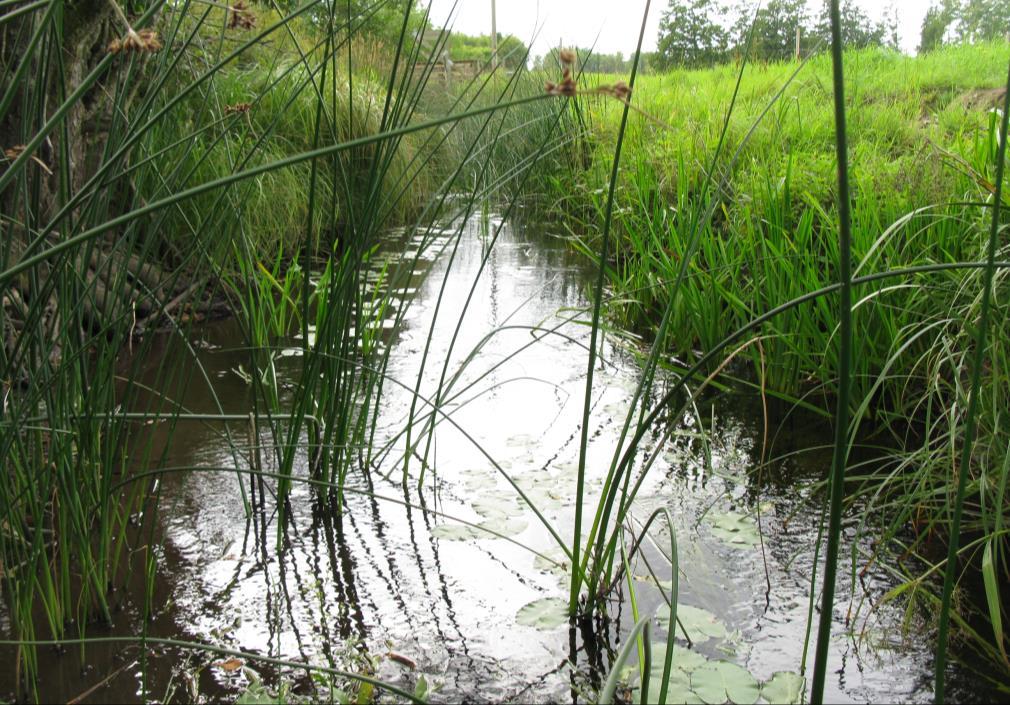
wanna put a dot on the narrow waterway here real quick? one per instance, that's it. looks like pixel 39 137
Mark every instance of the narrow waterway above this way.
pixel 396 579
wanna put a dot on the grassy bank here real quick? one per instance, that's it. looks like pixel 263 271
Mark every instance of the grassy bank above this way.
pixel 704 246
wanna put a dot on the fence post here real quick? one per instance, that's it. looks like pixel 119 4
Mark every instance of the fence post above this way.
pixel 494 37
pixel 799 32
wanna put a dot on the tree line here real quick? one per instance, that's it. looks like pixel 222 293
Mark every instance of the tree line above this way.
pixel 695 33
pixel 964 21
pixel 699 33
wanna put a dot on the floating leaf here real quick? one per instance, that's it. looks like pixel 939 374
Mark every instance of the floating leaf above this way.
pixel 679 683
pixel 455 532
pixel 553 561
pixel 480 480
pixel 490 509
pixel 504 527
pixel 701 625
pixel 783 687
pixel 544 614
pixel 686 660
pixel 718 681
pixel 735 529
pixel 666 585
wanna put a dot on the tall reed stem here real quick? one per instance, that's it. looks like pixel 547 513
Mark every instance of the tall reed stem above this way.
pixel 844 363
pixel 594 335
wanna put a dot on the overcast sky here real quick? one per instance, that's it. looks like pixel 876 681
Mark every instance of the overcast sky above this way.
pixel 615 22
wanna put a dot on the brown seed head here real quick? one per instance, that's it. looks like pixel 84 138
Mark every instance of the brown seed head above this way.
pixel 146 40
pixel 621 90
pixel 567 57
pixel 568 88
pixel 551 88
pixel 237 108
pixel 12 153
pixel 240 16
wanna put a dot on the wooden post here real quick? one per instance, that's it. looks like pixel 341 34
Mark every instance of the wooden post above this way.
pixel 799 32
pixel 494 37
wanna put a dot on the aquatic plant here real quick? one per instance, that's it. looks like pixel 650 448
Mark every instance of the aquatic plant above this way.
pixel 200 152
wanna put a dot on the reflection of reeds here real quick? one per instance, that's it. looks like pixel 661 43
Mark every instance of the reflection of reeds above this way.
pixel 207 181
pixel 173 197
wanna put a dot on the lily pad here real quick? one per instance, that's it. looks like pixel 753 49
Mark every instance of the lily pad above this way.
pixel 678 689
pixel 686 660
pixel 558 563
pixel 735 529
pixel 701 625
pixel 504 527
pixel 665 585
pixel 784 687
pixel 679 683
pixel 492 508
pixel 545 614
pixel 455 532
pixel 719 681
pixel 480 480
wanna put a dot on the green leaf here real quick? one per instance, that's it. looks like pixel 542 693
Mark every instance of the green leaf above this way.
pixel 734 529
pixel 455 532
pixel 685 661
pixel 992 594
pixel 784 687
pixel 719 681
pixel 489 508
pixel 421 688
pixel 545 614
pixel 701 625
pixel 256 694
pixel 505 527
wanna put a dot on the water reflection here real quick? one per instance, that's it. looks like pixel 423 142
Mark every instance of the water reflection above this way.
pixel 388 575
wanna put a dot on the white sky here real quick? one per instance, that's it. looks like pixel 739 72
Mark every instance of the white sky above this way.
pixel 616 22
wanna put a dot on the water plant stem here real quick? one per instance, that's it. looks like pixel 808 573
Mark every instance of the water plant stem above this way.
pixel 594 334
pixel 841 430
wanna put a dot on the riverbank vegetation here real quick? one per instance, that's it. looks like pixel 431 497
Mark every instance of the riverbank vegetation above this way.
pixel 194 159
pixel 924 136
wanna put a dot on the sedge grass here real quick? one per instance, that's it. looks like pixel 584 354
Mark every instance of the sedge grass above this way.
pixel 221 194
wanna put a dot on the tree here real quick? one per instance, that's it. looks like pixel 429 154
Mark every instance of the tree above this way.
pixel 935 25
pixel 589 61
pixel 983 20
pixel 773 27
pixel 965 21
pixel 858 29
pixel 691 34
pixel 512 53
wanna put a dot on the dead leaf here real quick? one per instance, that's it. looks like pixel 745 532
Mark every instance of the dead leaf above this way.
pixel 231 665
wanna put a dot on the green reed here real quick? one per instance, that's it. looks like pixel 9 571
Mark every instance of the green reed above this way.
pixel 265 163
pixel 175 202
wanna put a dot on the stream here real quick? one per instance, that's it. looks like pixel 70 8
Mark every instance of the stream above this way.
pixel 476 613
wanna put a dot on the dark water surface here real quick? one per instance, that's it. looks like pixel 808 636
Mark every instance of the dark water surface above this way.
pixel 392 578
